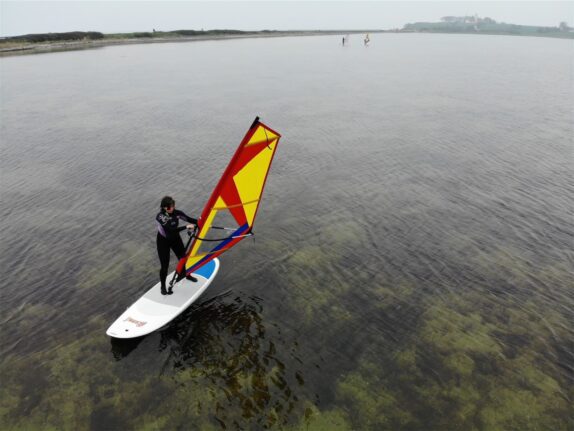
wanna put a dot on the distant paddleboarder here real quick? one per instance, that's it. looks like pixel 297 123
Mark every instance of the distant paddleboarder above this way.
pixel 168 238
pixel 367 39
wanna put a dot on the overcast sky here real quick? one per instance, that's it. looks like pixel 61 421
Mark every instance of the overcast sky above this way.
pixel 23 16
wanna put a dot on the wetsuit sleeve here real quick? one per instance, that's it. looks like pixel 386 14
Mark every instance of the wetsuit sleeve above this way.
pixel 183 216
pixel 164 223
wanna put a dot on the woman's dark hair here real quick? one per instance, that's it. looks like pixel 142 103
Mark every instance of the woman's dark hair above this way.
pixel 167 201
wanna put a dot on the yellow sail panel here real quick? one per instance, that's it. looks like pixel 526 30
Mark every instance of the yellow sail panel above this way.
pixel 262 135
pixel 250 180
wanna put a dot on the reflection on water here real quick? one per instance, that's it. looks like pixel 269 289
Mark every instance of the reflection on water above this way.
pixel 123 347
pixel 226 344
pixel 413 261
pixel 223 343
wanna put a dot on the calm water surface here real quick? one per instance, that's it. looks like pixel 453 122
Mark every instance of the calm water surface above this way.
pixel 413 264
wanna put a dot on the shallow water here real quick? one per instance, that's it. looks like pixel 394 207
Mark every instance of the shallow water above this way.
pixel 413 264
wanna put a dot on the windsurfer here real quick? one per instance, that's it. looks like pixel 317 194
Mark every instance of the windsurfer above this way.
pixel 168 230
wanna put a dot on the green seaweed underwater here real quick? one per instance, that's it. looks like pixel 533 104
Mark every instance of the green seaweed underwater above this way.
pixel 394 355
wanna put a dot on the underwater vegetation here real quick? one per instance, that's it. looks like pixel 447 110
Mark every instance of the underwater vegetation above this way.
pixel 196 382
pixel 328 357
pixel 337 322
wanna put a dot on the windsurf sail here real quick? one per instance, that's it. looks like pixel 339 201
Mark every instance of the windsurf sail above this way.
pixel 238 194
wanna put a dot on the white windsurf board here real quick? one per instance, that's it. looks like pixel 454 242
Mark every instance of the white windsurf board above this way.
pixel 154 310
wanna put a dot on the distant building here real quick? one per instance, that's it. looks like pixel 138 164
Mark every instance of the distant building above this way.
pixel 467 20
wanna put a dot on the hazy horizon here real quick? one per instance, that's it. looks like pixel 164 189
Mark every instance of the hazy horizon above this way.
pixel 24 17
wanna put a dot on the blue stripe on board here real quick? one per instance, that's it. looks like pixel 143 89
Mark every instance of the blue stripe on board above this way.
pixel 206 270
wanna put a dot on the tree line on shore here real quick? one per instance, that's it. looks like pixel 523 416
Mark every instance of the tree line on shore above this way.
pixel 57 37
pixel 95 35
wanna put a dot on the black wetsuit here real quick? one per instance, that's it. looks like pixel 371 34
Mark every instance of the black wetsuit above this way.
pixel 168 238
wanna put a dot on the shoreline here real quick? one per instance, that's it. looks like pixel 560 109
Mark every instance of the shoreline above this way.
pixel 73 45
pixel 45 47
